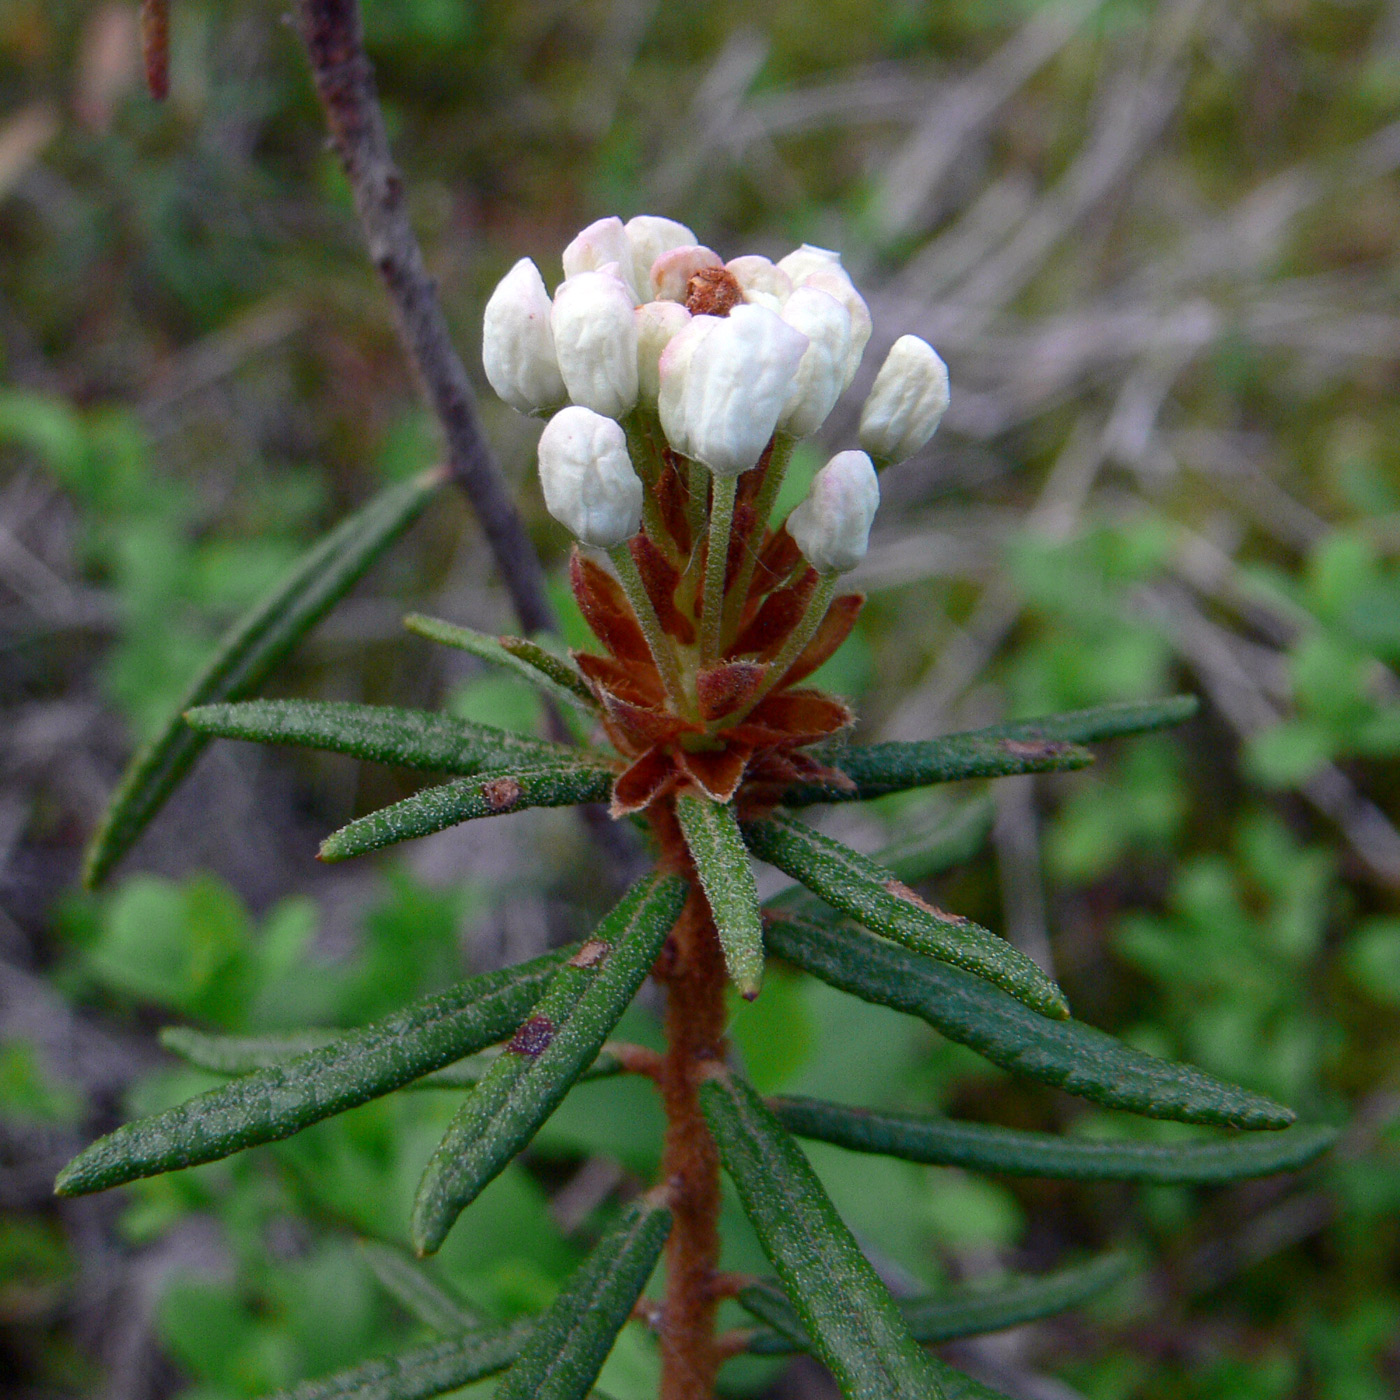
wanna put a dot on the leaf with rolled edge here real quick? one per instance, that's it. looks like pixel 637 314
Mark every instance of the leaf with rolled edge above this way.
pixel 381 733
pixel 284 1098
pixel 1013 1152
pixel 527 659
pixel 969 1310
pixel 416 1290
pixel 1046 745
pixel 247 652
pixel 490 795
pixel 712 836
pixel 870 894
pixel 845 1309
pixel 1067 1054
pixel 567 1027
pixel 241 1054
pixel 572 1340
pixel 420 1372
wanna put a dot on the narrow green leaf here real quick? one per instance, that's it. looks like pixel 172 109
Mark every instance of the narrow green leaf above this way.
pixel 870 894
pixel 528 660
pixel 491 795
pixel 241 1054
pixel 847 1311
pixel 963 1311
pixel 982 1147
pixel 248 652
pixel 407 738
pixel 1048 744
pixel 550 1050
pixel 1068 1054
pixel 284 1098
pixel 420 1372
pixel 416 1290
pixel 572 1340
pixel 712 836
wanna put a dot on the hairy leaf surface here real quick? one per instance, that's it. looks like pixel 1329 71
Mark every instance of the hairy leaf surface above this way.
pixel 845 1309
pixel 249 650
pixel 982 1147
pixel 563 784
pixel 1068 1054
pixel 572 1340
pixel 870 894
pixel 286 1097
pixel 712 836
pixel 550 1050
pixel 380 733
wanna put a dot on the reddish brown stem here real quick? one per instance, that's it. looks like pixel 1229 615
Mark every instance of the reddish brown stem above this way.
pixel 693 972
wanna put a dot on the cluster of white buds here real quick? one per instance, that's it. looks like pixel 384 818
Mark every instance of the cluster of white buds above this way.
pixel 653 336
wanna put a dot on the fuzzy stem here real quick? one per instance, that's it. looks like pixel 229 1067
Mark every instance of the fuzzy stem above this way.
pixel 716 566
pixel 778 461
pixel 794 646
pixel 629 576
pixel 695 1017
pixel 641 448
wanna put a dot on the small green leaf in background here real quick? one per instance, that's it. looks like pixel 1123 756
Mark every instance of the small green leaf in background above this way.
pixel 721 860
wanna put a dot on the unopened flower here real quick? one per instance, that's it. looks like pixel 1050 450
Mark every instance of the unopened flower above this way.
pixel 658 323
pixel 590 485
pixel 601 243
pixel 760 276
pixel 906 401
pixel 649 236
pixel 821 374
pixel 809 266
pixel 672 371
pixel 736 382
pixel 595 339
pixel 517 344
pixel 672 271
pixel 832 526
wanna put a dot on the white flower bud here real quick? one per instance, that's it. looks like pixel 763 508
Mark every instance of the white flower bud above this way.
pixel 595 338
pixel 602 242
pixel 649 235
pixel 832 526
pixel 821 374
pixel 758 275
pixel 517 345
pixel 833 281
pixel 736 383
pixel 672 370
pixel 658 323
pixel 906 401
pixel 803 261
pixel 671 273
pixel 590 486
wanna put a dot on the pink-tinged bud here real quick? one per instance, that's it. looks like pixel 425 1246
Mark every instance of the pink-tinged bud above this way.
pixel 736 383
pixel 671 273
pixel 517 344
pixel 672 372
pixel 590 486
pixel 602 242
pixel 802 262
pixel 649 235
pixel 834 282
pixel 832 526
pixel 658 324
pixel 821 374
pixel 595 339
pixel 759 275
pixel 906 401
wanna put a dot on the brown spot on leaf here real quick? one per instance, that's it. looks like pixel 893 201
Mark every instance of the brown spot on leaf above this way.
pixel 1035 748
pixel 902 891
pixel 501 794
pixel 591 954
pixel 532 1037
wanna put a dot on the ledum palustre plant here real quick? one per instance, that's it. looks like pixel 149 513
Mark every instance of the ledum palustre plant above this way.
pixel 675 388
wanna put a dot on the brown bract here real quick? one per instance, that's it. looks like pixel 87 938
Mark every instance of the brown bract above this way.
pixel 729 746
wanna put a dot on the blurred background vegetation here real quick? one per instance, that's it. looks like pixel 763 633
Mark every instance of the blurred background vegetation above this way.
pixel 1157 244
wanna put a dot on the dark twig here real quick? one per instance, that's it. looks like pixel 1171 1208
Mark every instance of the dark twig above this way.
pixel 334 40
